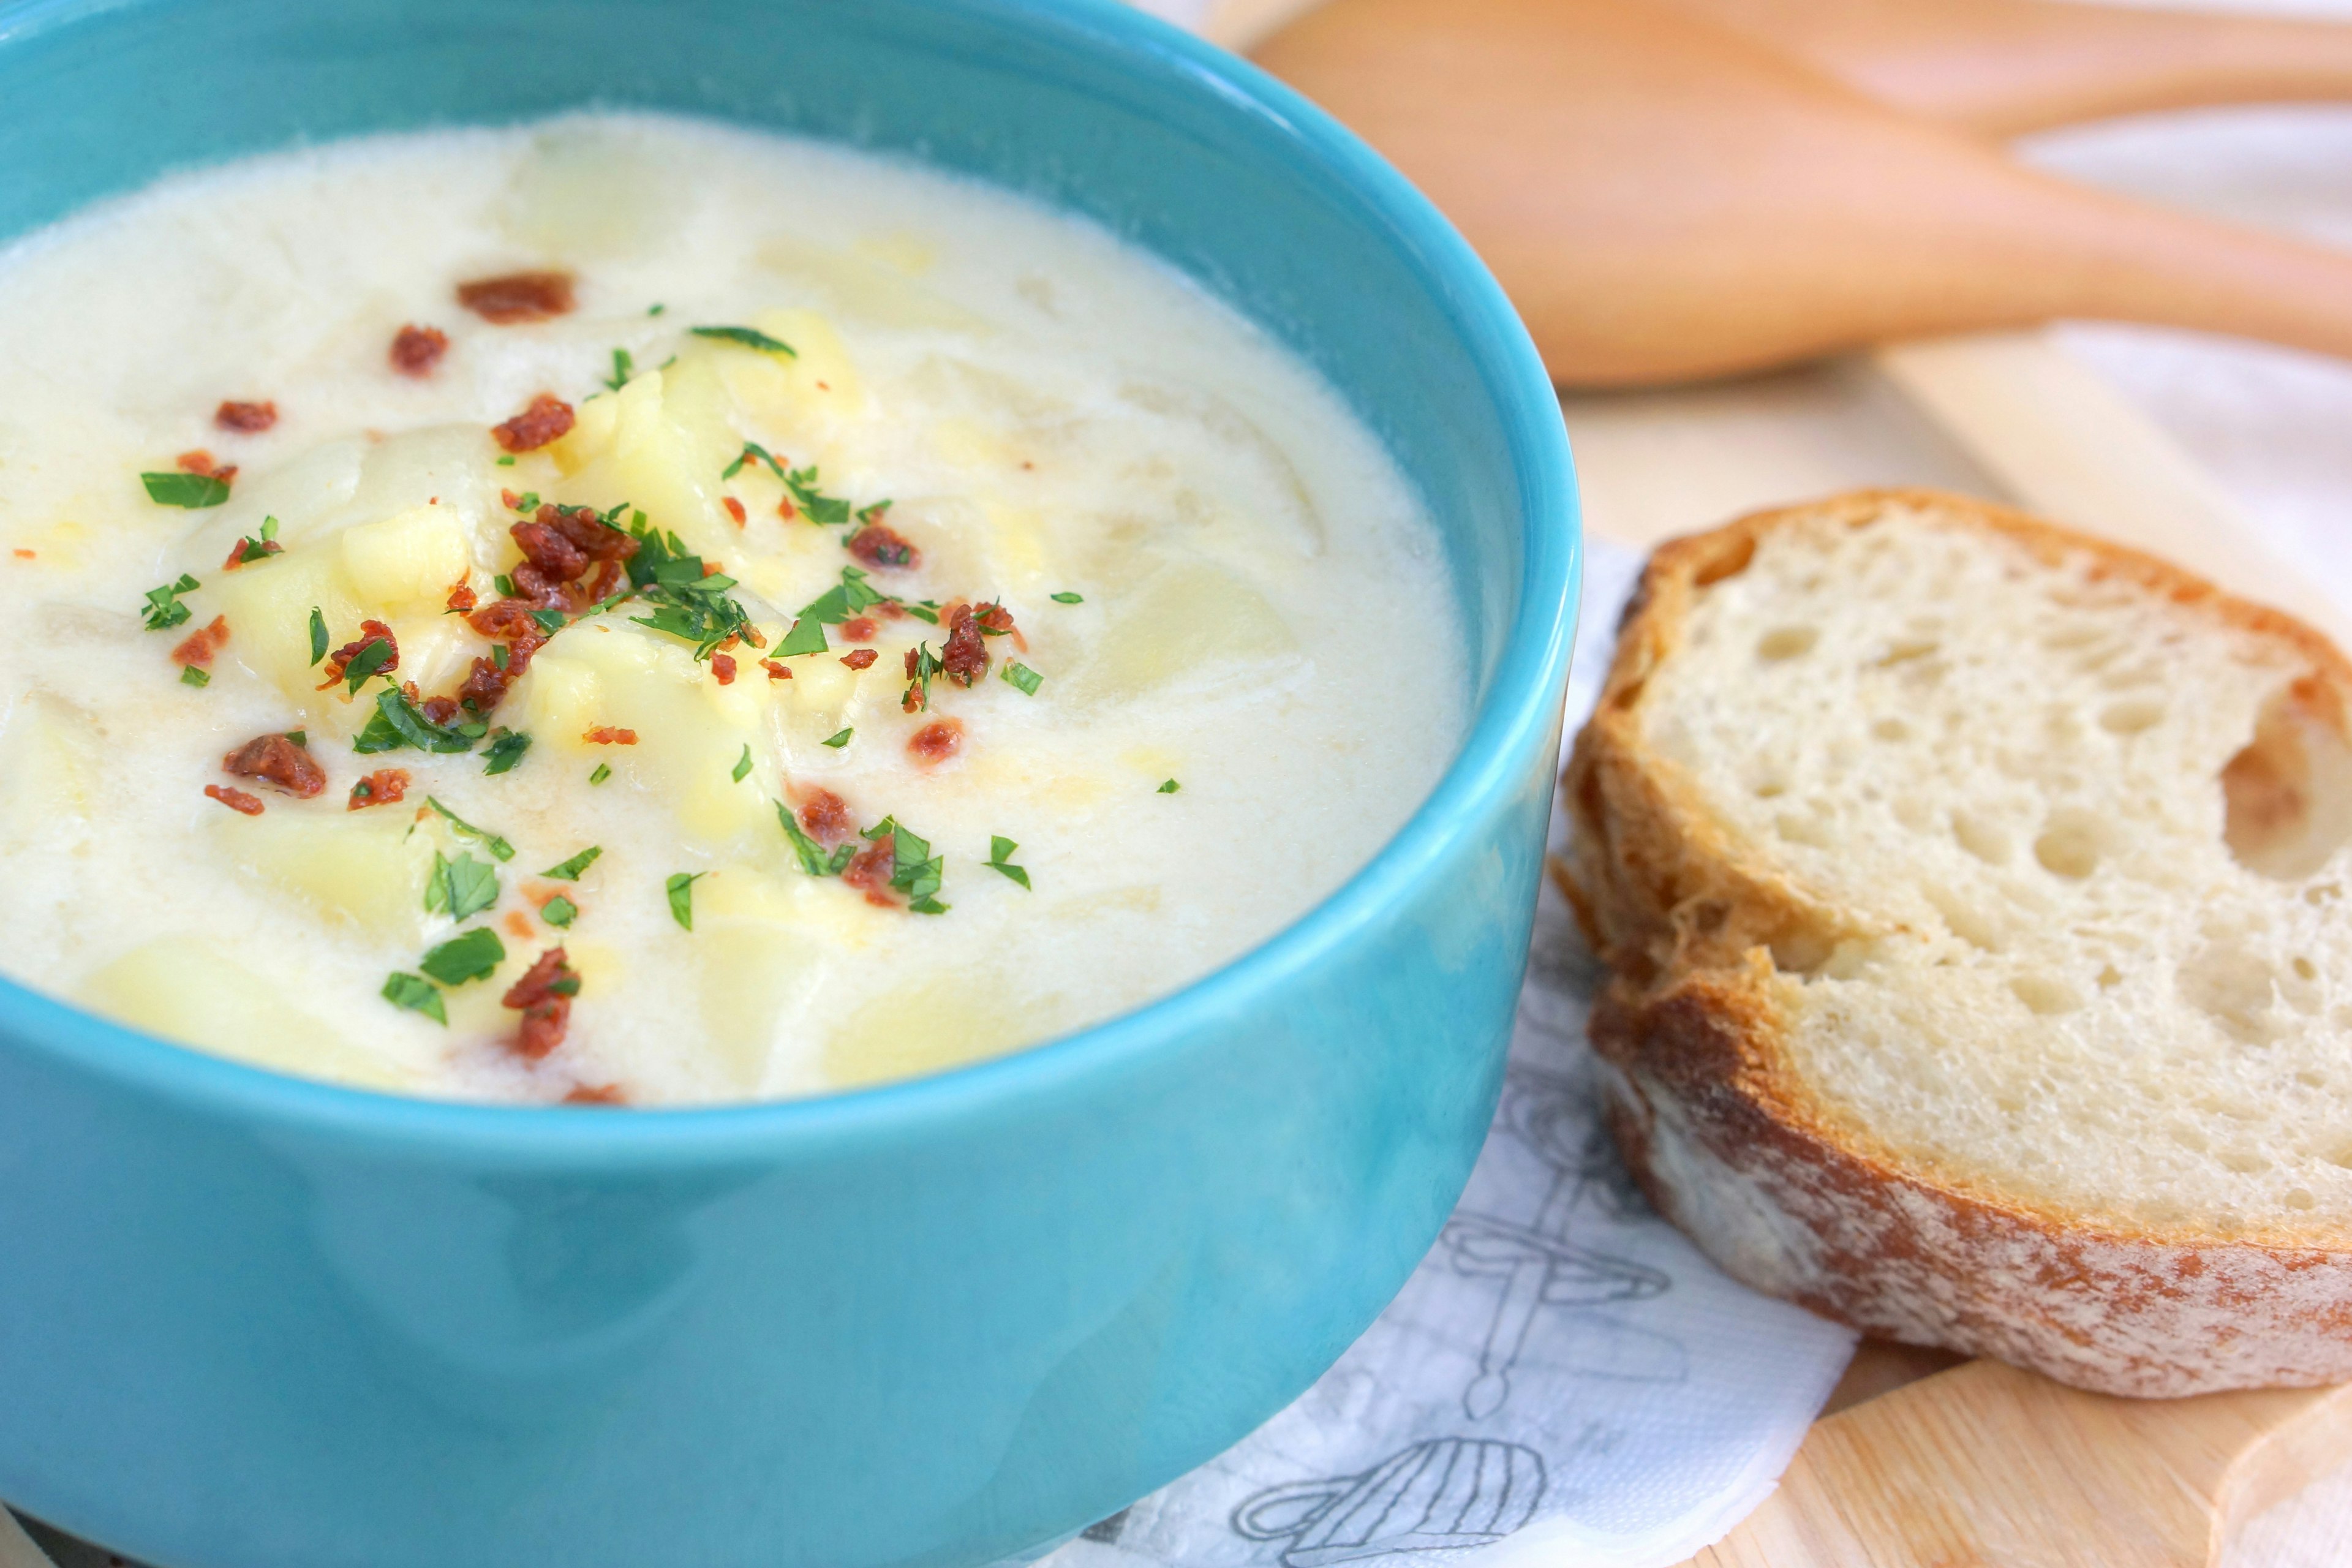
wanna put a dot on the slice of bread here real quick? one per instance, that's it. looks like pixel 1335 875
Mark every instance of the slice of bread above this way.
pixel 1975 897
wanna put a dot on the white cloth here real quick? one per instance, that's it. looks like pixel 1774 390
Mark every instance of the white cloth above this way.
pixel 1563 1374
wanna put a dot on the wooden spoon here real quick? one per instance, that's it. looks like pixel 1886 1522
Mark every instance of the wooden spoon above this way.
pixel 1666 200
pixel 2003 67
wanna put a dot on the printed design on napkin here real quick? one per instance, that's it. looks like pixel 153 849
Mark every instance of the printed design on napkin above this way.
pixel 1441 1494
pixel 1540 1268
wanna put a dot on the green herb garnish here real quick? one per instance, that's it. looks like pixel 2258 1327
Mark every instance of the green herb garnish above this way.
pixel 417 994
pixel 318 636
pixel 472 956
pixel 508 461
pixel 838 739
pixel 558 911
pixel 163 609
pixel 190 675
pixel 852 597
pixel 260 546
pixel 656 310
pixel 681 896
pixel 742 769
pixel 806 637
pixel 490 841
pixel 194 491
pixel 503 753
pixel 460 889
pixel 919 690
pixel 810 854
pixel 569 870
pixel 602 772
pixel 1170 787
pixel 1021 676
pixel 396 723
pixel 749 337
pixel 687 603
pixel 914 871
pixel 372 657
pixel 623 366
pixel 1000 858
pixel 299 737
pixel 1068 598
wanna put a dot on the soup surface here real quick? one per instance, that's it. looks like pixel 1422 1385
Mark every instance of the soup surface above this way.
pixel 625 611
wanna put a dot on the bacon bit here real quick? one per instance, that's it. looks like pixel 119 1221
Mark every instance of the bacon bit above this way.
pixel 200 461
pixel 871 870
pixel 827 817
pixel 461 596
pixel 486 683
pixel 234 799
pixel 543 996
pixel 381 787
pixel 602 1094
pixel 23 554
pixel 785 510
pixel 340 659
pixel 965 656
pixel 883 547
pixel 858 628
pixel 416 350
pixel 237 552
pixel 547 419
pixel 936 741
pixel 588 532
pixel 860 658
pixel 775 672
pixel 751 635
pixel 892 610
pixel 505 620
pixel 606 735
pixel 735 510
pixel 515 297
pixel 518 925
pixel 201 645
pixel 722 669
pixel 278 761
pixel 440 710
pixel 245 418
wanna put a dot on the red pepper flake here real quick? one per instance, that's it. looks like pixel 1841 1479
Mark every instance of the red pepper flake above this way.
pixel 606 735
pixel 245 418
pixel 712 568
pixel 776 671
pixel 598 1094
pixel 827 817
pixel 871 870
pixel 547 419
pixel 858 628
pixel 416 350
pixel 543 996
pixel 278 761
pixel 735 510
pixel 340 659
pixel 518 925
pixel 722 669
pixel 515 297
pixel 201 645
pixel 381 787
pixel 461 596
pixel 860 658
pixel 234 799
pixel 936 741
pixel 880 546
pixel 785 510
pixel 965 656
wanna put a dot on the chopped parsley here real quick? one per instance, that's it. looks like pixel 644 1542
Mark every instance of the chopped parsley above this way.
pixel 372 657
pixel 1021 675
pixel 504 753
pixel 163 609
pixel 838 739
pixel 742 769
pixel 656 310
pixel 919 690
pixel 496 845
pixel 319 635
pixel 558 911
pixel 851 598
pixel 818 506
pixel 417 994
pixel 258 546
pixel 749 337
pixel 569 870
pixel 914 871
pixel 190 675
pixel 299 737
pixel 810 854
pixel 686 603
pixel 1170 787
pixel 624 366
pixel 681 896
pixel 460 889
pixel 807 636
pixel 396 723
pixel 1000 858
pixel 504 585
pixel 194 491
pixel 602 772
pixel 526 503
pixel 472 956
pixel 508 461
pixel 1068 598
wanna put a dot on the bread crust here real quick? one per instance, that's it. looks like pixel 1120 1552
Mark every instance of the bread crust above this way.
pixel 1735 1148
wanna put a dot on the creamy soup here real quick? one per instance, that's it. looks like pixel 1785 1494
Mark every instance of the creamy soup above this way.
pixel 624 611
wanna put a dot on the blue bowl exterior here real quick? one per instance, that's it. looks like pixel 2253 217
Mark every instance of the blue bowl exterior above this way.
pixel 254 1322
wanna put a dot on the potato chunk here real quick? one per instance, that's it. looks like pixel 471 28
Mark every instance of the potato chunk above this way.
pixel 410 558
pixel 367 867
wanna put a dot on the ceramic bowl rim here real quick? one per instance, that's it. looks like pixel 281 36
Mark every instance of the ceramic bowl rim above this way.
pixel 1522 704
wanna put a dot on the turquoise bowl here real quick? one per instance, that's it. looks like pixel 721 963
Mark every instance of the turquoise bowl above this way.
pixel 247 1321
